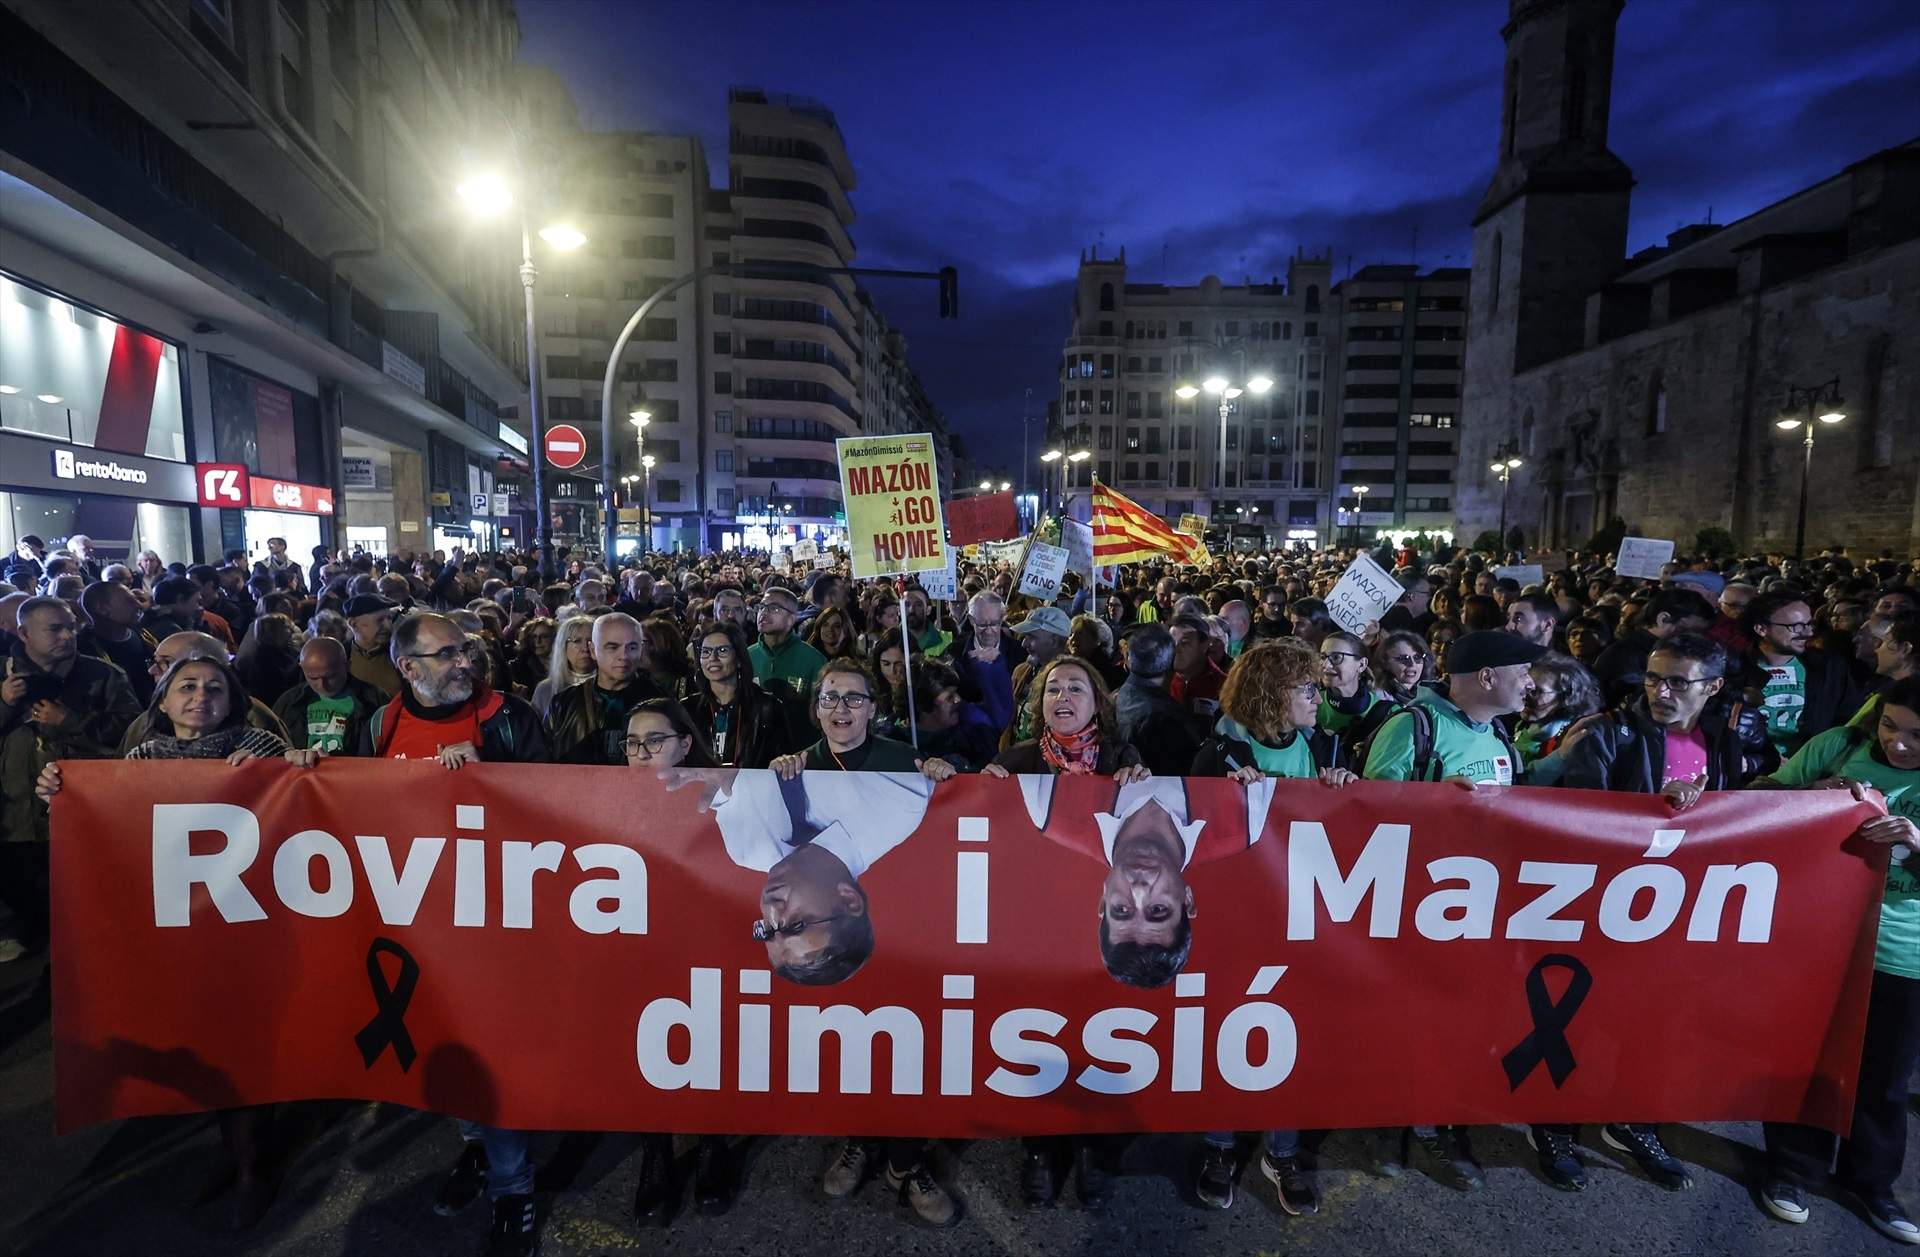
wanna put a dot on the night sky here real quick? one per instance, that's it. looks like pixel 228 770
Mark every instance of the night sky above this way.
pixel 1216 137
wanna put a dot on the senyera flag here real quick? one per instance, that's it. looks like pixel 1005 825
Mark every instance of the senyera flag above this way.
pixel 573 948
pixel 1126 532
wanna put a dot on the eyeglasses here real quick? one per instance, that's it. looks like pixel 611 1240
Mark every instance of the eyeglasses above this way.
pixel 1340 654
pixel 987 624
pixel 446 654
pixel 1799 628
pixel 852 702
pixel 1309 689
pixel 716 652
pixel 1678 685
pixel 1404 661
pixel 765 933
pixel 649 746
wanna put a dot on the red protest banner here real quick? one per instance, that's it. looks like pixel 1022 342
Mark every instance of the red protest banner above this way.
pixel 577 949
pixel 988 517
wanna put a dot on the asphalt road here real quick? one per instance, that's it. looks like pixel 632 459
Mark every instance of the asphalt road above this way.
pixel 360 1179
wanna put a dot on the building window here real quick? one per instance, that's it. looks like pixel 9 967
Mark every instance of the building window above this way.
pixel 1154 401
pixel 666 491
pixel 1106 297
pixel 723 343
pixel 723 382
pixel 723 421
pixel 1657 408
pixel 722 304
pixel 660 247
pixel 1493 274
pixel 1154 366
pixel 723 460
pixel 1106 438
pixel 723 500
pixel 1106 366
pixel 1186 327
pixel 1106 401
pixel 1106 327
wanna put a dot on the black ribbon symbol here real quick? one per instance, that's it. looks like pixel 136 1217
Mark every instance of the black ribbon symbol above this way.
pixel 389 1024
pixel 1547 1041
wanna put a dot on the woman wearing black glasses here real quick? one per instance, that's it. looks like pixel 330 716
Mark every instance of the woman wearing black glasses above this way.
pixel 740 724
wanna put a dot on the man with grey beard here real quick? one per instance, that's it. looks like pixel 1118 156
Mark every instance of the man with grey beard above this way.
pixel 441 713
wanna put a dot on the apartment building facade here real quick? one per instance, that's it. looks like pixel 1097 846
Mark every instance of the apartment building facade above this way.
pixel 230 242
pixel 1401 335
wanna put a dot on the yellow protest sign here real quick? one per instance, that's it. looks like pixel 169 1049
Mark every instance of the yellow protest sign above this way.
pixel 1193 525
pixel 892 493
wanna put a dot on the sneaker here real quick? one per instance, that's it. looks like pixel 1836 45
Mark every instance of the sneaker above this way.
pixel 464 1181
pixel 1888 1217
pixel 516 1228
pixel 1091 1182
pixel 1642 1143
pixel 11 949
pixel 1559 1157
pixel 1452 1147
pixel 712 1176
pixel 923 1194
pixel 1214 1185
pixel 1785 1201
pixel 653 1196
pixel 1293 1182
pixel 848 1171
pixel 1036 1180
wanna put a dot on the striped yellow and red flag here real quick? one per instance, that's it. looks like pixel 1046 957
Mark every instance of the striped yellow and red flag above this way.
pixel 1126 532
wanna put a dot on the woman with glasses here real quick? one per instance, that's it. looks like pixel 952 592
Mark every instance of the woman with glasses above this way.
pixel 1400 664
pixel 1349 695
pixel 740 724
pixel 843 709
pixel 569 661
pixel 1268 727
pixel 199 711
pixel 660 736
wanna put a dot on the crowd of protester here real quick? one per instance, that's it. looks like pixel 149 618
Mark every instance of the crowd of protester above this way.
pixel 1762 673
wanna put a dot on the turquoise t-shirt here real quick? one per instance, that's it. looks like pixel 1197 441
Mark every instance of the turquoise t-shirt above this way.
pixel 1784 697
pixel 327 722
pixel 1333 720
pixel 1843 753
pixel 1295 759
pixel 1461 747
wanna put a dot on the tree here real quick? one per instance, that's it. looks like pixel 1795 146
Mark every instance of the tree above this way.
pixel 1607 540
pixel 1488 541
pixel 1714 543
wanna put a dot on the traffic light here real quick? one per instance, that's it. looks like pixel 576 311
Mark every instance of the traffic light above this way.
pixel 949 293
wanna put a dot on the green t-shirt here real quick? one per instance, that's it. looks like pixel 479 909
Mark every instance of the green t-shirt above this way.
pixel 1784 697
pixel 795 664
pixel 1295 759
pixel 1333 720
pixel 1844 753
pixel 327 722
pixel 1461 748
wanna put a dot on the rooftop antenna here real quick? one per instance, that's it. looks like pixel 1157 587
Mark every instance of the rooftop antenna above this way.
pixel 1163 263
pixel 1709 215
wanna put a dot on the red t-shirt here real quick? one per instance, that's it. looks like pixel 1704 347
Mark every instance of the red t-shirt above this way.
pixel 407 736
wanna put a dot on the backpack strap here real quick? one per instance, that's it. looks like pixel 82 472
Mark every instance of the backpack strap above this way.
pixel 1423 765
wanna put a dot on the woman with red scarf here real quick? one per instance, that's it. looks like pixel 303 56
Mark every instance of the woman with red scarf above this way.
pixel 1071 707
pixel 1073 711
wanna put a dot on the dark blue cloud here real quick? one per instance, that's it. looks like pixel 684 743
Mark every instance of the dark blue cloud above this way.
pixel 1218 137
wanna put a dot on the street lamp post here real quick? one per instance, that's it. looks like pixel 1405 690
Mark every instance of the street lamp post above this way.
pixel 1823 402
pixel 1218 385
pixel 1506 460
pixel 646 503
pixel 487 196
pixel 639 419
pixel 1051 456
pixel 1360 492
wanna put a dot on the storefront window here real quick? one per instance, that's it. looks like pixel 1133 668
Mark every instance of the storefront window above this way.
pixel 83 378
pixel 118 527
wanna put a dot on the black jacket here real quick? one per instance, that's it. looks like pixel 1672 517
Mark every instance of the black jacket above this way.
pixel 291 707
pixel 577 728
pixel 1835 689
pixel 765 730
pixel 1626 750
pixel 1167 735
pixel 1025 757
pixel 510 730
pixel 1329 751
pixel 1621 666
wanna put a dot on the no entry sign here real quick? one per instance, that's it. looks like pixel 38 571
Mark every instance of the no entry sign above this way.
pixel 566 446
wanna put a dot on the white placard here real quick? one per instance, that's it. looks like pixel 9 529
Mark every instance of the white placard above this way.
pixel 1045 566
pixel 943 585
pixel 1365 593
pixel 1078 538
pixel 1002 551
pixel 781 556
pixel 805 551
pixel 356 473
pixel 499 503
pixel 1643 557
pixel 1525 573
pixel 823 560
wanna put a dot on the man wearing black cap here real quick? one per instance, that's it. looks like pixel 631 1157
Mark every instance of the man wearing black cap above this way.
pixel 370 628
pixel 1457 737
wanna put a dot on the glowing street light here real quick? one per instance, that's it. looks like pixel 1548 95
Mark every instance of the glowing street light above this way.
pixel 563 237
pixel 1259 384
pixel 1505 460
pixel 485 194
pixel 1214 385
pixel 1823 403
pixel 1186 392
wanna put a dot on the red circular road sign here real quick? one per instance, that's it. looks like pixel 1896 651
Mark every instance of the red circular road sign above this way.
pixel 566 446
